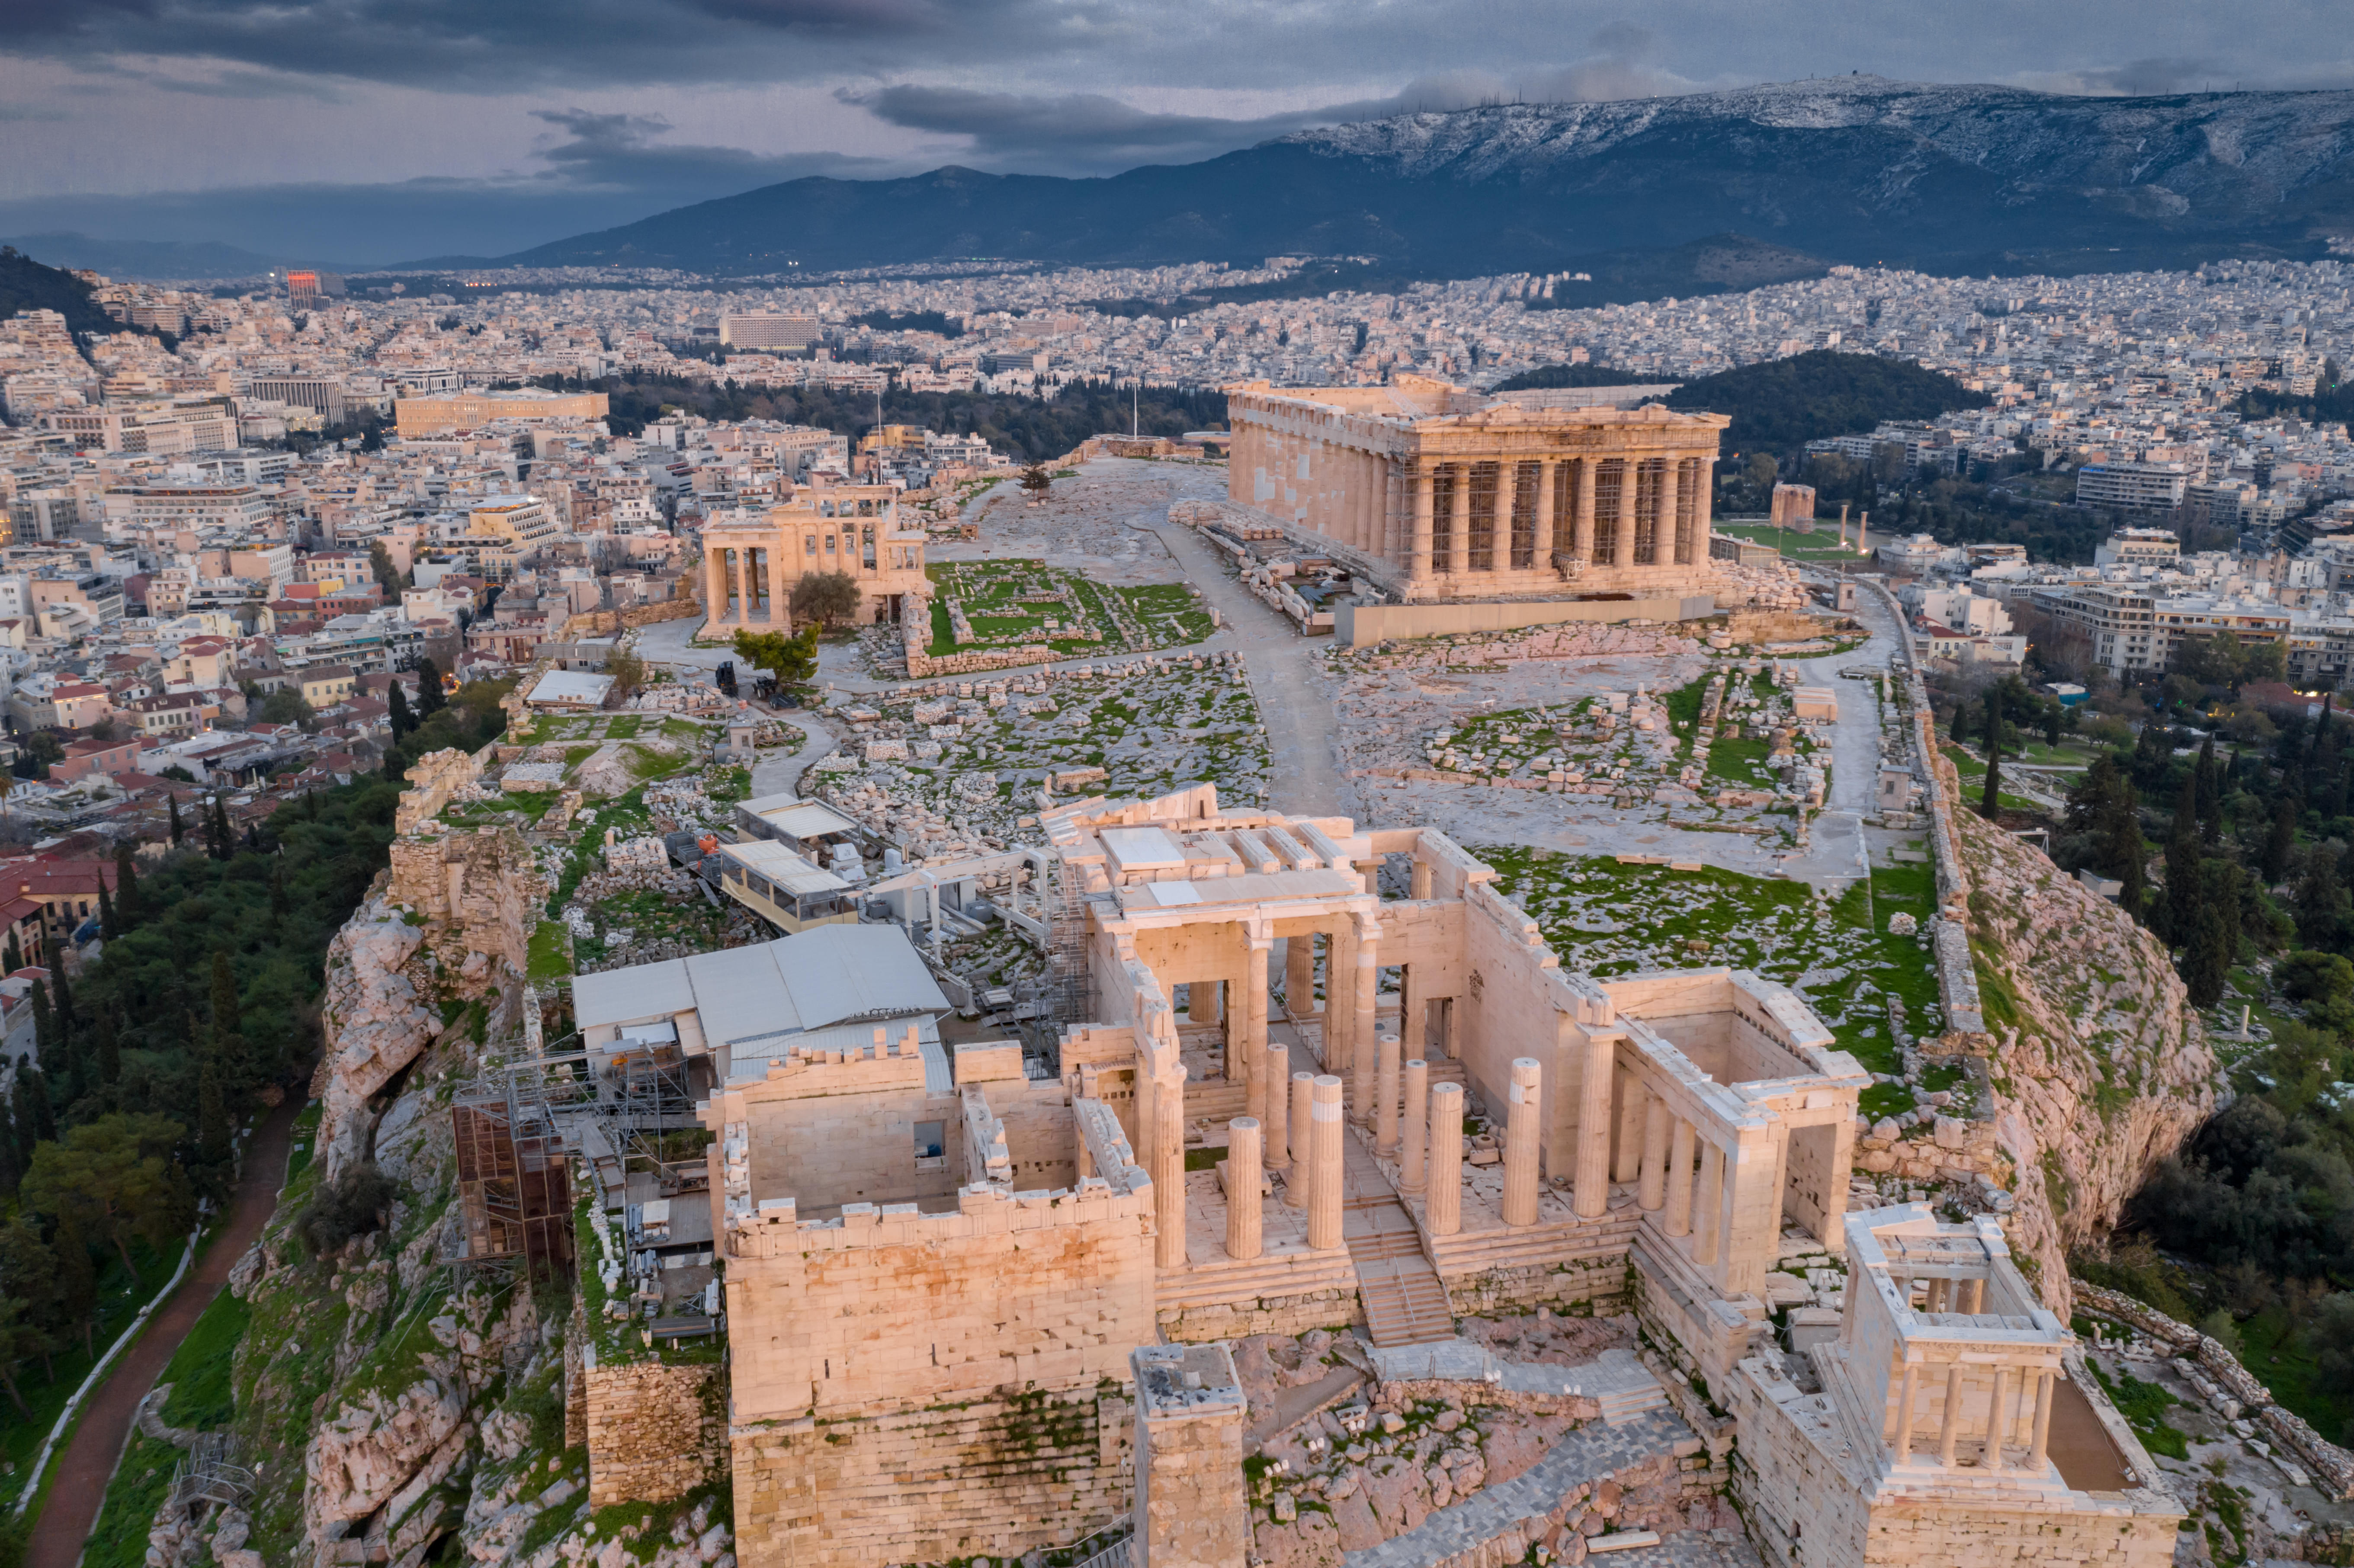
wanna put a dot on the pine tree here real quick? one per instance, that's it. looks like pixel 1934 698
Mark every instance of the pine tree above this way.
pixel 109 924
pixel 178 831
pixel 2319 905
pixel 2279 843
pixel 1990 803
pixel 126 885
pixel 2182 873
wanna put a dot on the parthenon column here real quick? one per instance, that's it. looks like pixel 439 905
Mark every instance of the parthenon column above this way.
pixel 1417 554
pixel 1499 542
pixel 1242 1188
pixel 1414 1137
pixel 1652 1191
pixel 1668 539
pixel 1443 1208
pixel 1708 1204
pixel 1324 1174
pixel 1541 555
pixel 1592 1179
pixel 1680 1179
pixel 1630 482
pixel 1520 1142
pixel 1459 536
pixel 1582 547
pixel 1275 1072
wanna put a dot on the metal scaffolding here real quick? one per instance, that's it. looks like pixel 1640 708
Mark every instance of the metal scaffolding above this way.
pixel 210 1473
pixel 514 1186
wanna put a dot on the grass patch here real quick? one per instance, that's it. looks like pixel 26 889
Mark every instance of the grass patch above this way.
pixel 551 952
pixel 203 1399
pixel 2273 1346
pixel 2144 1406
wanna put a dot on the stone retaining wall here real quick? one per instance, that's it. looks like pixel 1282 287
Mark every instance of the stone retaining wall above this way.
pixel 655 1432
pixel 2332 1466
pixel 606 623
pixel 1292 1315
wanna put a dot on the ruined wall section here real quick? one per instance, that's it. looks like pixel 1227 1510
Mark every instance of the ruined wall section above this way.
pixel 655 1432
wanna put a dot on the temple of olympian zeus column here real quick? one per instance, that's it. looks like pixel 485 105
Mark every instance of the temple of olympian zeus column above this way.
pixel 1436 493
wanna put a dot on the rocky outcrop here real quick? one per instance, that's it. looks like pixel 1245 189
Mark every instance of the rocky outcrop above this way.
pixel 2099 1065
pixel 375 1022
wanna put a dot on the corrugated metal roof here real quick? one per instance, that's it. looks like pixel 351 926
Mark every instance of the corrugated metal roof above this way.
pixel 783 865
pixel 741 996
pixel 823 976
pixel 628 995
pixel 838 972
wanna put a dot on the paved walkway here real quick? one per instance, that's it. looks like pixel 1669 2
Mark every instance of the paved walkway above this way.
pixel 1590 1454
pixel 88 1461
pixel 776 773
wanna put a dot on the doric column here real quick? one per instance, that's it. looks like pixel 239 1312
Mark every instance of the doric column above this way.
pixel 1520 1142
pixel 1629 483
pixel 1340 994
pixel 1303 1140
pixel 1708 1204
pixel 1541 556
pixel 1300 975
pixel 1652 1191
pixel 1443 1208
pixel 1592 1179
pixel 1325 1176
pixel 1704 503
pixel 1363 1014
pixel 1167 1160
pixel 1993 1459
pixel 2042 1438
pixel 1949 1425
pixel 1458 536
pixel 1417 557
pixel 1582 525
pixel 1414 1013
pixel 1911 1386
pixel 1275 1076
pixel 1626 1141
pixel 1386 1095
pixel 1250 1050
pixel 1680 1179
pixel 1667 539
pixel 1508 493
pixel 1414 1137
pixel 1206 1003
pixel 1242 1188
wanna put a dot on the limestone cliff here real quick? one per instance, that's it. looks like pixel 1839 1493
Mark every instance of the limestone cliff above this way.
pixel 2099 1064
pixel 375 1022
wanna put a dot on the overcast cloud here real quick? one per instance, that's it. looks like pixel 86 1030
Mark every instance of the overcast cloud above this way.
pixel 384 130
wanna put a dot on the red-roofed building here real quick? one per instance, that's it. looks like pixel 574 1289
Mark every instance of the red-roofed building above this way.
pixel 91 758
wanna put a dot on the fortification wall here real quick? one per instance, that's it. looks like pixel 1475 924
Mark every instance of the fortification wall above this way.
pixel 655 1432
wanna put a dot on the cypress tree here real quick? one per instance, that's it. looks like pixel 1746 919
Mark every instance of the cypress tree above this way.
pixel 13 955
pixel 228 1017
pixel 2214 946
pixel 2279 842
pixel 2123 851
pixel 213 1145
pixel 109 924
pixel 126 885
pixel 1960 728
pixel 36 1119
pixel 109 1050
pixel 430 700
pixel 2052 717
pixel 278 904
pixel 77 1284
pixel 178 831
pixel 2211 793
pixel 45 1030
pixel 224 834
pixel 2182 873
pixel 1992 801
pixel 402 720
pixel 2320 920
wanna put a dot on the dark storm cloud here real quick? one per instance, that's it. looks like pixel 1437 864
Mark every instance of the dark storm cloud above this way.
pixel 623 152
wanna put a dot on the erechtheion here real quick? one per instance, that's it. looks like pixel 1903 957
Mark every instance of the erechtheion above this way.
pixel 945 1274
pixel 752 561
pixel 1433 493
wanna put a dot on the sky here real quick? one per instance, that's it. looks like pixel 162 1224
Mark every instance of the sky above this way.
pixel 367 131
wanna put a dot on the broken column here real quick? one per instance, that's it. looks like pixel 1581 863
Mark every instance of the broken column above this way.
pixel 1242 1188
pixel 1303 1140
pixel 1192 1507
pixel 1386 1095
pixel 1324 1173
pixel 1413 1140
pixel 1275 1068
pixel 1444 1206
pixel 1520 1143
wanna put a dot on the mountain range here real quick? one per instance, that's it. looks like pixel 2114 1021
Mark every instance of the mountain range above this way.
pixel 1845 169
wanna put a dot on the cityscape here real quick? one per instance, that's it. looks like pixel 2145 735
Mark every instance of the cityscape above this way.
pixel 1464 896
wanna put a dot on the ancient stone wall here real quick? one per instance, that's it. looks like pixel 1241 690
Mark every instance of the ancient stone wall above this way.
pixel 483 891
pixel 655 1432
pixel 1199 1322
pixel 606 623
pixel 934 1481
pixel 1597 1284
pixel 1192 1510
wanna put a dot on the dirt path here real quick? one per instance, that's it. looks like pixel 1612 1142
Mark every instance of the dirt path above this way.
pixel 88 1461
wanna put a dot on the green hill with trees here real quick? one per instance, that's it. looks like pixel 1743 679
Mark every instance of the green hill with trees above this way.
pixel 1782 404
pixel 1546 376
pixel 27 285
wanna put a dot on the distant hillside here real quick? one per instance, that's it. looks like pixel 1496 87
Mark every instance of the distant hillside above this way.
pixel 154 260
pixel 1785 403
pixel 27 285
pixel 1546 376
pixel 1667 195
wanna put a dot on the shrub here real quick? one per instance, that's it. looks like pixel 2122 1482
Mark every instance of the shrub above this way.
pixel 353 1204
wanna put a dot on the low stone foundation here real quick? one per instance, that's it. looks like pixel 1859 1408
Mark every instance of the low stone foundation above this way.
pixel 1583 1285
pixel 1200 1323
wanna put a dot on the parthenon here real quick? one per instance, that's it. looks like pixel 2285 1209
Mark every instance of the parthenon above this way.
pixel 1434 493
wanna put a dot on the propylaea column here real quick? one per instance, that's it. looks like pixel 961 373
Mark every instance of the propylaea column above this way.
pixel 1592 1178
pixel 1241 1187
pixel 1414 1137
pixel 1680 1179
pixel 1340 994
pixel 1251 1049
pixel 1167 1161
pixel 1303 1141
pixel 1443 1208
pixel 1520 1142
pixel 1386 1058
pixel 1299 974
pixel 1324 1112
pixel 1275 1072
pixel 1368 974
pixel 1652 1191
